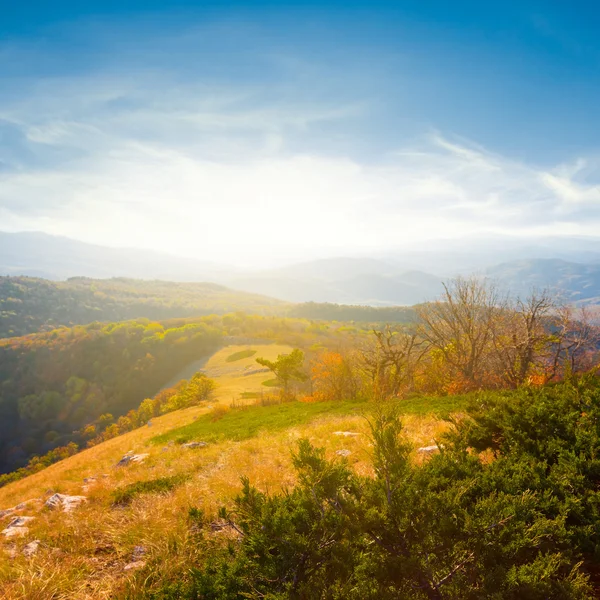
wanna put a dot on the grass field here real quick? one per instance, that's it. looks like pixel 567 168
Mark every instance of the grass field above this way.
pixel 83 554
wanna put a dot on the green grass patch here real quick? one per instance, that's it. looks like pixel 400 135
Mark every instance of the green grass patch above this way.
pixel 240 355
pixel 243 423
pixel 249 395
pixel 247 422
pixel 439 406
pixel 126 494
pixel 271 382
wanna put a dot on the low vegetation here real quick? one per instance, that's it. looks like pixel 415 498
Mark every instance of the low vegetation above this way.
pixel 240 355
pixel 451 456
pixel 523 524
pixel 161 485
pixel 247 422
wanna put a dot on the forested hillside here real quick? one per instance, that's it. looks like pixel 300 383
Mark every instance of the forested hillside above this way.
pixel 54 383
pixel 29 304
pixel 327 311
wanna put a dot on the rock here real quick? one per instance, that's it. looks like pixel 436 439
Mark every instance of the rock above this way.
pixel 67 503
pixel 428 449
pixel 138 564
pixel 195 445
pixel 132 458
pixel 31 548
pixel 17 527
pixel 343 452
pixel 89 479
pixel 20 506
pixel 138 553
pixel 346 433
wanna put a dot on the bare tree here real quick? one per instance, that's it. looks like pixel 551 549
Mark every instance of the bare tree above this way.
pixel 461 327
pixel 390 359
pixel 521 336
pixel 575 337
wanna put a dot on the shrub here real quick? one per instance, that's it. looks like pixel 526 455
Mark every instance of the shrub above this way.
pixel 524 525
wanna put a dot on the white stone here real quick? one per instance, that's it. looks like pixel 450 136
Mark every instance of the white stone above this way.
pixel 137 564
pixel 346 433
pixel 31 548
pixel 17 527
pixel 343 452
pixel 132 458
pixel 195 445
pixel 67 503
pixel 428 449
pixel 138 553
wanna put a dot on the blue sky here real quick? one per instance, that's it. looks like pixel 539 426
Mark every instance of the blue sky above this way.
pixel 304 129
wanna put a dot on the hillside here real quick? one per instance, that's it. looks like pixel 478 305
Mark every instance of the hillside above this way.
pixel 85 554
pixel 178 522
pixel 576 282
pixel 403 278
pixel 29 305
pixel 53 384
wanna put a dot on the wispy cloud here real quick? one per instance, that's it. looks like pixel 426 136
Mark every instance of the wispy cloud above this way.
pixel 248 171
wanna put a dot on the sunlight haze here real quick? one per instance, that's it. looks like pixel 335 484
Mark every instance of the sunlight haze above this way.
pixel 257 137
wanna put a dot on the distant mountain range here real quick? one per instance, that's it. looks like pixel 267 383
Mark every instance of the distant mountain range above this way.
pixel 577 282
pixel 394 280
pixel 53 257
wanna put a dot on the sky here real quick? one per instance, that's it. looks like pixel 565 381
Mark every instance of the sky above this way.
pixel 255 132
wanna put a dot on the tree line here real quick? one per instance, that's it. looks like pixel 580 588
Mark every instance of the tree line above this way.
pixel 472 338
pixel 29 305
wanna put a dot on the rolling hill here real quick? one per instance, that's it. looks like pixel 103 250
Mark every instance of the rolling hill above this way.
pixel 570 266
pixel 575 282
pixel 28 305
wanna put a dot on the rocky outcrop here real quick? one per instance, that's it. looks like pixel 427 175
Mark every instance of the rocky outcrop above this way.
pixel 193 445
pixel 17 527
pixel 21 506
pixel 67 503
pixel 132 458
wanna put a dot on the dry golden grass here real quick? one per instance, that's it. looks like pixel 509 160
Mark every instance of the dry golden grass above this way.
pixel 83 554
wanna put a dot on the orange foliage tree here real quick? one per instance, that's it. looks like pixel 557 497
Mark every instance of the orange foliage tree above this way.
pixel 334 377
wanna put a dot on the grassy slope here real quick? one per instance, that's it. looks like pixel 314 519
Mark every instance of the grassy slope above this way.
pixel 83 554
